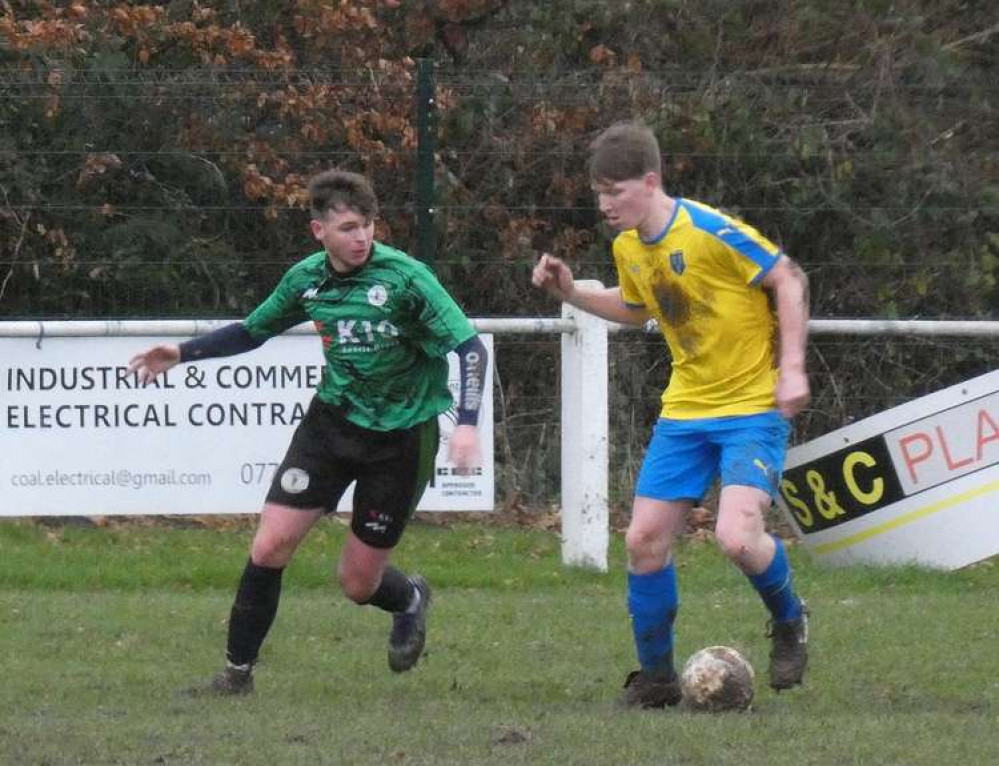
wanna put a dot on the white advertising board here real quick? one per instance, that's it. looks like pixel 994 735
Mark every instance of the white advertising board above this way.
pixel 918 483
pixel 80 437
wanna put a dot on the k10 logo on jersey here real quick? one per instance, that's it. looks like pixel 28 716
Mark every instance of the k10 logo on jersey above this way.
pixel 356 332
pixel 358 335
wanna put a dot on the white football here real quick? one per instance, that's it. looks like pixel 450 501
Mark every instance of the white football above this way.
pixel 717 678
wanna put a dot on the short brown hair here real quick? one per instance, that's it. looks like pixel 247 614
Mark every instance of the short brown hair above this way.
pixel 623 152
pixel 334 189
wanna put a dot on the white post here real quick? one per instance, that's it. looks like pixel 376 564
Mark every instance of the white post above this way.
pixel 585 517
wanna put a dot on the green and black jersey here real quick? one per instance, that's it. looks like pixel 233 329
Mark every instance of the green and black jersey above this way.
pixel 386 329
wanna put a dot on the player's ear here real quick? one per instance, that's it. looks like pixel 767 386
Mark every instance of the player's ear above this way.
pixel 317 228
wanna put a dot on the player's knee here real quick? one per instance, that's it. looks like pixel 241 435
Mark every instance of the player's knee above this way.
pixel 646 546
pixel 733 544
pixel 272 551
pixel 738 534
pixel 638 541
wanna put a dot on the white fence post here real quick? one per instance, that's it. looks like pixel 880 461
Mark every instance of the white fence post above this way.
pixel 585 517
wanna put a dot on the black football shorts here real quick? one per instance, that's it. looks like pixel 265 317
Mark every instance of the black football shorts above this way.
pixel 391 468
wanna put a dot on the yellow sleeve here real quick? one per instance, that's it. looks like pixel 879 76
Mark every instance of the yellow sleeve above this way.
pixel 750 253
pixel 630 293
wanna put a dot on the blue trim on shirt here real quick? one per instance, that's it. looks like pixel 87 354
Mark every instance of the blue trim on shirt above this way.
pixel 659 237
pixel 766 269
pixel 716 225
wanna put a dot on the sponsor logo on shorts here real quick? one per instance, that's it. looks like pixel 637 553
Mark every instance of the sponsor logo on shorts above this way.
pixel 768 471
pixel 377 522
pixel 294 481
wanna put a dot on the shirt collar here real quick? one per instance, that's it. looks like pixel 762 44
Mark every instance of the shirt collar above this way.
pixel 661 235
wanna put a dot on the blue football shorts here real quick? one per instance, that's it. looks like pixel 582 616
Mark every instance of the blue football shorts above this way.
pixel 685 456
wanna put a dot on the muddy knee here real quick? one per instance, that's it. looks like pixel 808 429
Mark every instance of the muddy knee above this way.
pixel 648 550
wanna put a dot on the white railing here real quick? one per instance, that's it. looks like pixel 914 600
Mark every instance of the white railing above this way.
pixel 584 395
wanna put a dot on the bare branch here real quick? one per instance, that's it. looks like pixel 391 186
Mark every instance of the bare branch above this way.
pixel 977 37
pixel 17 250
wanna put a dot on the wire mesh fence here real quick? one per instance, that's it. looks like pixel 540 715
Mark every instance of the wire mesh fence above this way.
pixel 122 197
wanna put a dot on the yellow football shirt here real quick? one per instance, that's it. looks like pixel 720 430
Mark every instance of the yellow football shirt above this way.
pixel 700 279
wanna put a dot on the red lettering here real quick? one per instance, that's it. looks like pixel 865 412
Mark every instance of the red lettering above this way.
pixel 983 418
pixel 950 463
pixel 911 460
pixel 326 339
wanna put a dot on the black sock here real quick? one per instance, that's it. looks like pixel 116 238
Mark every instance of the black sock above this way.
pixel 395 593
pixel 253 612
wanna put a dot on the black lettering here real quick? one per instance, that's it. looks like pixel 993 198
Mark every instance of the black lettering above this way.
pixel 47 379
pixel 266 375
pixel 291 376
pixel 24 380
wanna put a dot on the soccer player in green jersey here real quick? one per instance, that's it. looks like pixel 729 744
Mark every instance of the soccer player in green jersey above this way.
pixel 738 376
pixel 386 325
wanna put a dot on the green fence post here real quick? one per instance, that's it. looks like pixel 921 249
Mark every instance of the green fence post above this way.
pixel 426 145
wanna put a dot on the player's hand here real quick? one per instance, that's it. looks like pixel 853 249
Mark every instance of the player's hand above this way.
pixel 554 277
pixel 463 449
pixel 153 361
pixel 792 392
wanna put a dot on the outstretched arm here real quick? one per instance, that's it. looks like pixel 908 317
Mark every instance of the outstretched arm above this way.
pixel 473 361
pixel 790 287
pixel 225 341
pixel 552 275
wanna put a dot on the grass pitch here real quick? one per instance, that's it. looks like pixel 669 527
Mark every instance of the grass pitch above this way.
pixel 100 629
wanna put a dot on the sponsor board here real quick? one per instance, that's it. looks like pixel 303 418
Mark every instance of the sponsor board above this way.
pixel 79 436
pixel 918 483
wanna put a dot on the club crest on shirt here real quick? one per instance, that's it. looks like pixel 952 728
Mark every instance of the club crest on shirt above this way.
pixel 377 295
pixel 676 262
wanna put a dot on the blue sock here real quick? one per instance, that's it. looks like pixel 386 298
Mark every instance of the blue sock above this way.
pixel 776 588
pixel 652 603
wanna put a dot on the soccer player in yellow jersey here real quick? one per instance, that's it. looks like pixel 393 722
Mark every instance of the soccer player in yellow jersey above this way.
pixel 738 377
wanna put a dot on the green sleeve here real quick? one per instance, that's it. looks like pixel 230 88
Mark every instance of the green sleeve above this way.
pixel 442 323
pixel 281 310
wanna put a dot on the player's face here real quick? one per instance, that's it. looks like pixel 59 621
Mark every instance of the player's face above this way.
pixel 624 204
pixel 347 236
